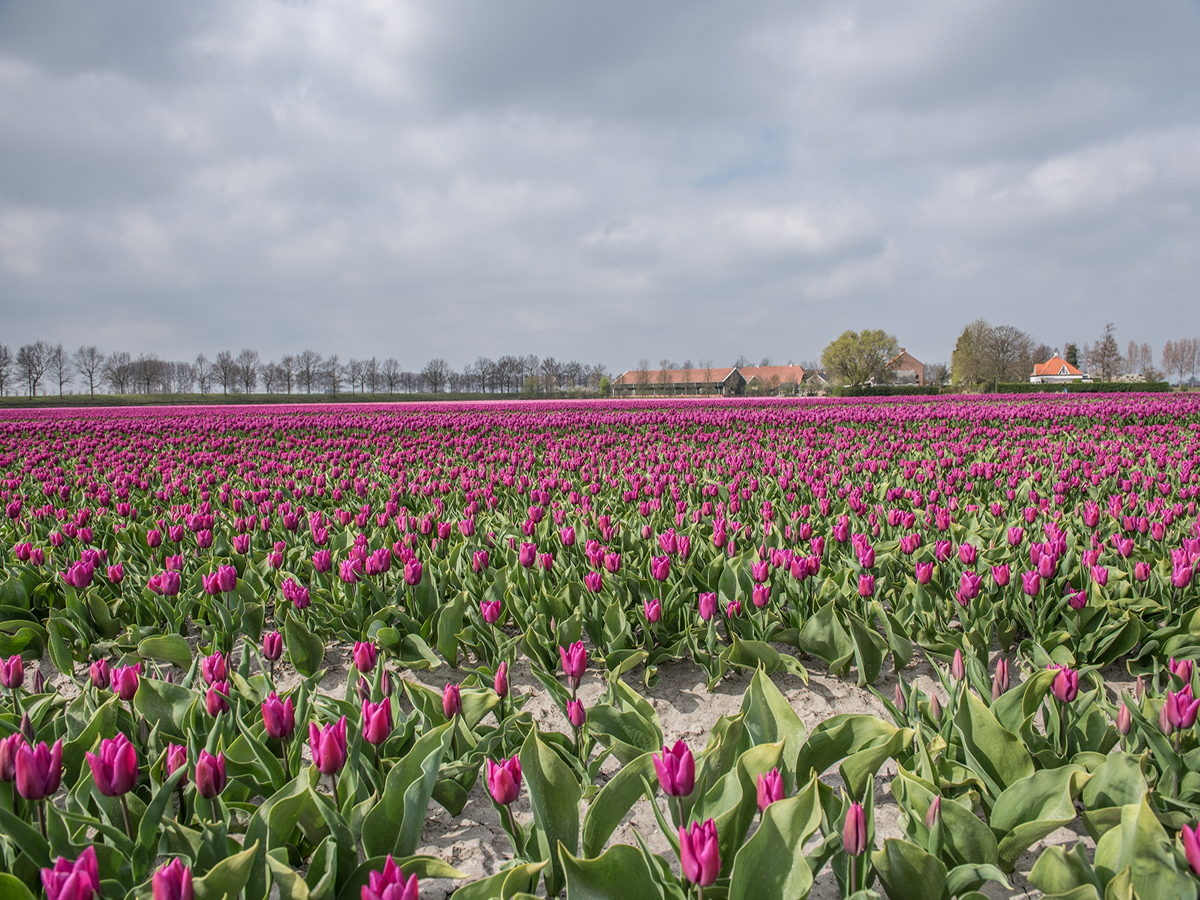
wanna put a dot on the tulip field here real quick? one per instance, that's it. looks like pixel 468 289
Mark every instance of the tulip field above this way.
pixel 176 584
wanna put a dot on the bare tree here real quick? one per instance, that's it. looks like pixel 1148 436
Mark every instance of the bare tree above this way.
pixel 435 375
pixel 225 371
pixel 32 361
pixel 1007 354
pixel 184 375
pixel 1145 363
pixel 270 376
pixel 247 370
pixel 1193 358
pixel 391 374
pixel 1108 354
pixel 308 370
pixel 707 366
pixel 937 374
pixel 6 364
pixel 1043 353
pixel 58 361
pixel 333 375
pixel 353 373
pixel 286 371
pixel 118 371
pixel 89 362
pixel 204 373
pixel 147 371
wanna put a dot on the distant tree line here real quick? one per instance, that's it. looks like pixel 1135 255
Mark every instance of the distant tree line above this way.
pixel 41 368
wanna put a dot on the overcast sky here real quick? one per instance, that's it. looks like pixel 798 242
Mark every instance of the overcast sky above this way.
pixel 601 180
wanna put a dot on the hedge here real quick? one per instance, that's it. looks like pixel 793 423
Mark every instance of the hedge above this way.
pixel 887 390
pixel 1079 387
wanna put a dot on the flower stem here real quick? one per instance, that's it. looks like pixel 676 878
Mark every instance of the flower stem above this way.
pixel 125 813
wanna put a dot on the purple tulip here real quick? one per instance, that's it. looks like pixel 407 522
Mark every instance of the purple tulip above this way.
pixel 676 769
pixel 272 646
pixel 328 746
pixel 660 567
pixel 412 572
pixel 279 718
pixel 100 674
pixel 527 555
pixel 1066 684
pixel 1000 575
pixel 770 789
pixel 1191 847
pixel 210 774
pixel 1182 708
pixel 216 700
pixel 652 609
pixel 365 655
pixel 115 768
pixel 377 721
pixel 854 833
pixel 78 880
pixel 176 759
pixel 500 684
pixel 699 855
pixel 866 585
pixel 504 780
pixel 1031 583
pixel 213 668
pixel 390 884
pixel 38 770
pixel 593 581
pixel 125 680
pixel 574 663
pixel 577 714
pixel 12 672
pixel 172 881
pixel 708 605
pixel 924 572
pixel 451 701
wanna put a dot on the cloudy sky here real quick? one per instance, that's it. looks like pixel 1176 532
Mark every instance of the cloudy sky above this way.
pixel 602 181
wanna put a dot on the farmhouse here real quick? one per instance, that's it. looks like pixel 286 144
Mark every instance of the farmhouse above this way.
pixel 773 380
pixel 1054 370
pixel 907 368
pixel 722 382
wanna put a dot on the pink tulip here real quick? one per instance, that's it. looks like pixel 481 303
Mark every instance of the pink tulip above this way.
pixel 676 769
pixel 328 746
pixel 212 668
pixel 708 605
pixel 38 770
pixel 78 880
pixel 279 718
pixel 770 789
pixel 1066 684
pixel 365 655
pixel 652 609
pixel 923 572
pixel 574 663
pixel 272 645
pixel 125 680
pixel 377 721
pixel 500 683
pixel 12 672
pixel 699 855
pixel 100 674
pixel 504 780
pixel 216 699
pixel 115 768
pixel 390 884
pixel 576 713
pixel 660 567
pixel 854 833
pixel 412 572
pixel 1191 847
pixel 172 881
pixel 176 759
pixel 451 701
pixel 210 774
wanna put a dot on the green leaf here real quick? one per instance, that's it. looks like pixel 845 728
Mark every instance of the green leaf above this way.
pixel 1060 871
pixel 394 825
pixel 273 824
pixel 733 800
pixel 768 718
pixel 284 878
pixel 970 876
pixel 150 826
pixel 825 638
pixel 1117 783
pixel 511 882
pixel 102 724
pixel 26 837
pixel 625 731
pixel 170 648
pixel 554 795
pixel 1034 807
pixel 12 888
pixel 839 737
pixel 1141 844
pixel 166 706
pixel 305 649
pixel 994 753
pixel 908 872
pixel 771 865
pixel 226 879
pixel 618 874
pixel 615 799
pixel 421 866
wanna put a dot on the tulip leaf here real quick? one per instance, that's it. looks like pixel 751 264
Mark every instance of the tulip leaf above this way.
pixel 421 866
pixel 768 718
pixel 12 888
pixel 165 705
pixel 626 732
pixel 26 837
pixel 305 649
pixel 1060 871
pixel 449 624
pixel 1034 807
pixel 554 795
pixel 273 824
pixel 1141 845
pixel 908 872
pixel 838 737
pixel 615 799
pixel 993 752
pixel 285 879
pixel 969 876
pixel 394 825
pixel 226 879
pixel 733 800
pixel 620 873
pixel 103 724
pixel 150 826
pixel 170 648
pixel 771 864
pixel 505 884
pixel 824 636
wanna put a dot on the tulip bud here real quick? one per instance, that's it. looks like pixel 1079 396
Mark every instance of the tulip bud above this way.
pixel 279 718
pixel 1066 685
pixel 1139 689
pixel 1000 679
pixel 1165 725
pixel 676 770
pixel 216 700
pixel 173 881
pixel 935 708
pixel 576 713
pixel 272 646
pixel 100 674
pixel 574 663
pixel 901 703
pixel 770 789
pixel 12 672
pixel 653 610
pixel 176 759
pixel 934 813
pixel 451 701
pixel 699 853
pixel 504 780
pixel 958 669
pixel 210 774
pixel 328 746
pixel 708 605
pixel 363 689
pixel 1124 720
pixel 854 833
pixel 365 655
pixel 500 685
pixel 377 721
pixel 385 682
pixel 38 770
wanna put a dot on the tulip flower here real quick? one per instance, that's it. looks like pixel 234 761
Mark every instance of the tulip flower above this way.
pixel 923 572
pixel 504 780
pixel 1181 669
pixel 328 746
pixel 574 663
pixel 38 770
pixel 770 789
pixel 390 884
pixel 479 561
pixel 934 813
pixel 100 674
pixel 176 759
pixel 377 721
pixel 365 655
pixel 958 670
pixel 213 668
pixel 1066 685
pixel 1141 571
pixel 216 699
pixel 1031 583
pixel 761 595
pixel 9 747
pixel 172 881
pixel 1182 708
pixel 322 560
pixel 12 672
pixel 125 680
pixel 451 701
pixel 708 605
pixel 699 855
pixel 78 880
pixel 593 581
pixel 279 718
pixel 577 714
pixel 210 774
pixel 500 684
pixel 115 768
pixel 170 583
pixel 412 572
pixel 676 769
pixel 1124 720
pixel 272 646
pixel 1181 576
pixel 898 699
pixel 116 573
pixel 490 610
pixel 527 555
pixel 854 832
pixel 660 567
pixel 866 585
pixel 1000 679
pixel 1000 575
pixel 652 609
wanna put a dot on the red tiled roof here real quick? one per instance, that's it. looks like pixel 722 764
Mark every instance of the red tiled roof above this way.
pixel 1055 365
pixel 676 376
pixel 786 374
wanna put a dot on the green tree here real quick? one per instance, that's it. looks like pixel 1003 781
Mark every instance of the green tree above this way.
pixel 967 362
pixel 1071 355
pixel 858 357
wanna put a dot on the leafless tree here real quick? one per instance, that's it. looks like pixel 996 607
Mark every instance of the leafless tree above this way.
pixel 937 374
pixel 1145 363
pixel 391 374
pixel 435 375
pixel 269 372
pixel 32 362
pixel 308 370
pixel 286 371
pixel 118 371
pixel 1108 354
pixel 58 362
pixel 183 375
pixel 204 373
pixel 6 364
pixel 89 362
pixel 1007 354
pixel 147 372
pixel 247 370
pixel 354 373
pixel 225 371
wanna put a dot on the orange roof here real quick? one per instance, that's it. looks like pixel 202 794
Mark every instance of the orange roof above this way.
pixel 1055 365
pixel 785 374
pixel 695 375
